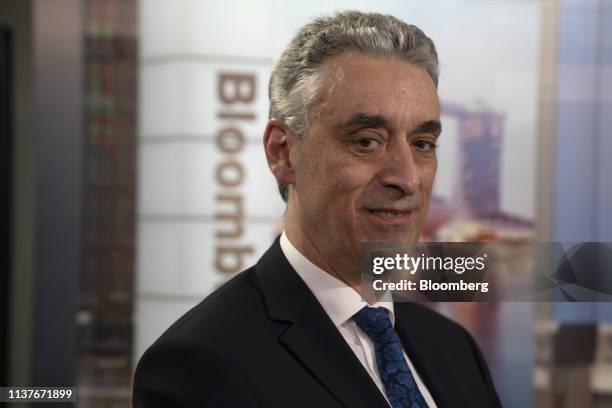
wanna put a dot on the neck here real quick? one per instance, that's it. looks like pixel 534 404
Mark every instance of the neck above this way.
pixel 343 270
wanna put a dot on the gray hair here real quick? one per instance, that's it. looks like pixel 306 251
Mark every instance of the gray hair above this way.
pixel 296 77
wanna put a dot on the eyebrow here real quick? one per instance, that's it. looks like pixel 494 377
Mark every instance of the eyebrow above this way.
pixel 431 126
pixel 365 119
pixel 378 121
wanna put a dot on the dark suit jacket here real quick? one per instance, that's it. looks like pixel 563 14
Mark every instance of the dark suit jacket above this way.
pixel 263 340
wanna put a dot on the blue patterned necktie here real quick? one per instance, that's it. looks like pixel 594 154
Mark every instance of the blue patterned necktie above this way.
pixel 395 374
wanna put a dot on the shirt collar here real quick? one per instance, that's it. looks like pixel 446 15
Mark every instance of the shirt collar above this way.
pixel 339 300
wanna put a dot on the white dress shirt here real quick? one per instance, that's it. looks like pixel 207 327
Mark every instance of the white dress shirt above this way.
pixel 341 302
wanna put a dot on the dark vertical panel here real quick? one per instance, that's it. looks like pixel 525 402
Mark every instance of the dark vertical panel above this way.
pixel 57 57
pixel 104 340
pixel 5 188
pixel 16 15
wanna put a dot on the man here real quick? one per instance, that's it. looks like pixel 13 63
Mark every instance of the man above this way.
pixel 354 120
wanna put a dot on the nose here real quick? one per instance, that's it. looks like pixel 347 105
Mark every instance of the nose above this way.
pixel 400 171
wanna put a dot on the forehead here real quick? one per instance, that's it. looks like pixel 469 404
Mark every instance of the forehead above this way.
pixel 386 85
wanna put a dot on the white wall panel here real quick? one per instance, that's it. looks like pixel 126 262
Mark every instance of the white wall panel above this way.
pixel 181 179
pixel 181 98
pixel 198 26
pixel 178 258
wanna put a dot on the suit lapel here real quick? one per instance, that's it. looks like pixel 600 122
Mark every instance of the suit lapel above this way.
pixel 312 336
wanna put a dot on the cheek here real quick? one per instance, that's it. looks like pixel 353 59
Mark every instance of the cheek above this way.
pixel 338 176
pixel 350 180
pixel 428 175
pixel 309 171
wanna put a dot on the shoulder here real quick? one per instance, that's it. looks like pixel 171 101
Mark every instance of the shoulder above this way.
pixel 196 352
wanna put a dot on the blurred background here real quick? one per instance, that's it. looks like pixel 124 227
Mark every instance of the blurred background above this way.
pixel 134 180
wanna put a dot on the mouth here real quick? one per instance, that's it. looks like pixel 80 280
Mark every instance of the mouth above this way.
pixel 390 216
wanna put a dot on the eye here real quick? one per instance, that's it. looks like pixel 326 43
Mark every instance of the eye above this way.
pixel 367 144
pixel 425 145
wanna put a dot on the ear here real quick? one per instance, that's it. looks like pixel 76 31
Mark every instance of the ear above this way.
pixel 278 141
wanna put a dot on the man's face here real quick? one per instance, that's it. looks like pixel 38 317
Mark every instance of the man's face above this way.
pixel 365 171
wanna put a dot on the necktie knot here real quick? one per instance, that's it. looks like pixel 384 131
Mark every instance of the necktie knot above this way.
pixel 375 322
